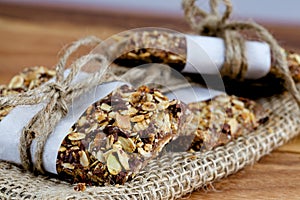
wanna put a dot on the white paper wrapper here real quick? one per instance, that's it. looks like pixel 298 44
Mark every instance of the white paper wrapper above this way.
pixel 11 126
pixel 206 55
pixel 193 94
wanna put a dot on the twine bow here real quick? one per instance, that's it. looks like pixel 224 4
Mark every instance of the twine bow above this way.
pixel 215 24
pixel 57 95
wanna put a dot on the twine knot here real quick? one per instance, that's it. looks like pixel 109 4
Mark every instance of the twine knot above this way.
pixel 235 65
pixel 56 96
pixel 59 95
pixel 211 26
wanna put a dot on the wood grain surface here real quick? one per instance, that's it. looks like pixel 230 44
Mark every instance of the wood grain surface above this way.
pixel 32 36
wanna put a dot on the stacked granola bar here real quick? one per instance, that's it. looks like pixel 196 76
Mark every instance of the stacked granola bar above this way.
pixel 118 135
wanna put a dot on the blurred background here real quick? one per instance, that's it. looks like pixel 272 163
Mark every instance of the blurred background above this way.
pixel 32 32
pixel 273 11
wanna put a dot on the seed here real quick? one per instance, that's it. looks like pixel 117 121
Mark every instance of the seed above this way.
pixel 68 166
pixel 113 165
pixel 100 156
pixel 238 104
pixel 62 149
pixel 135 97
pixel 132 111
pixel 144 153
pixel 16 82
pixel 92 128
pixel 149 97
pixel 103 125
pixel 76 136
pixel 137 118
pixel 148 115
pixel 174 57
pixel 127 144
pixel 123 158
pixel 132 55
pixel 51 72
pixel 223 99
pixel 149 106
pixel 105 107
pixel 74 148
pixel 109 142
pixel 84 161
pixel 233 125
pixel 112 115
pixel 160 95
pixel 163 105
pixel 139 126
pixel 100 116
pixel 82 121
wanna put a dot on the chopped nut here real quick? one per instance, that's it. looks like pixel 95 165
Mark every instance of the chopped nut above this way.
pixel 123 122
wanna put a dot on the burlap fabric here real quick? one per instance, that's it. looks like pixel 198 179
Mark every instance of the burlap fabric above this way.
pixel 173 175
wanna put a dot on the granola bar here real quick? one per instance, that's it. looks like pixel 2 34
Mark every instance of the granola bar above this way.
pixel 219 121
pixel 171 48
pixel 116 137
pixel 28 79
pixel 223 119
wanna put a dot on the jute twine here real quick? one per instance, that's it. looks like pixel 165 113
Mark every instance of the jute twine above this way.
pixel 57 95
pixel 235 66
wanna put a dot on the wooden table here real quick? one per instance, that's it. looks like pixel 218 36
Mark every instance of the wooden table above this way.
pixel 33 36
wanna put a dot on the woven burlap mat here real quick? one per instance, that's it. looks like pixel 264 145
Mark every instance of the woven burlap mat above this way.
pixel 173 175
